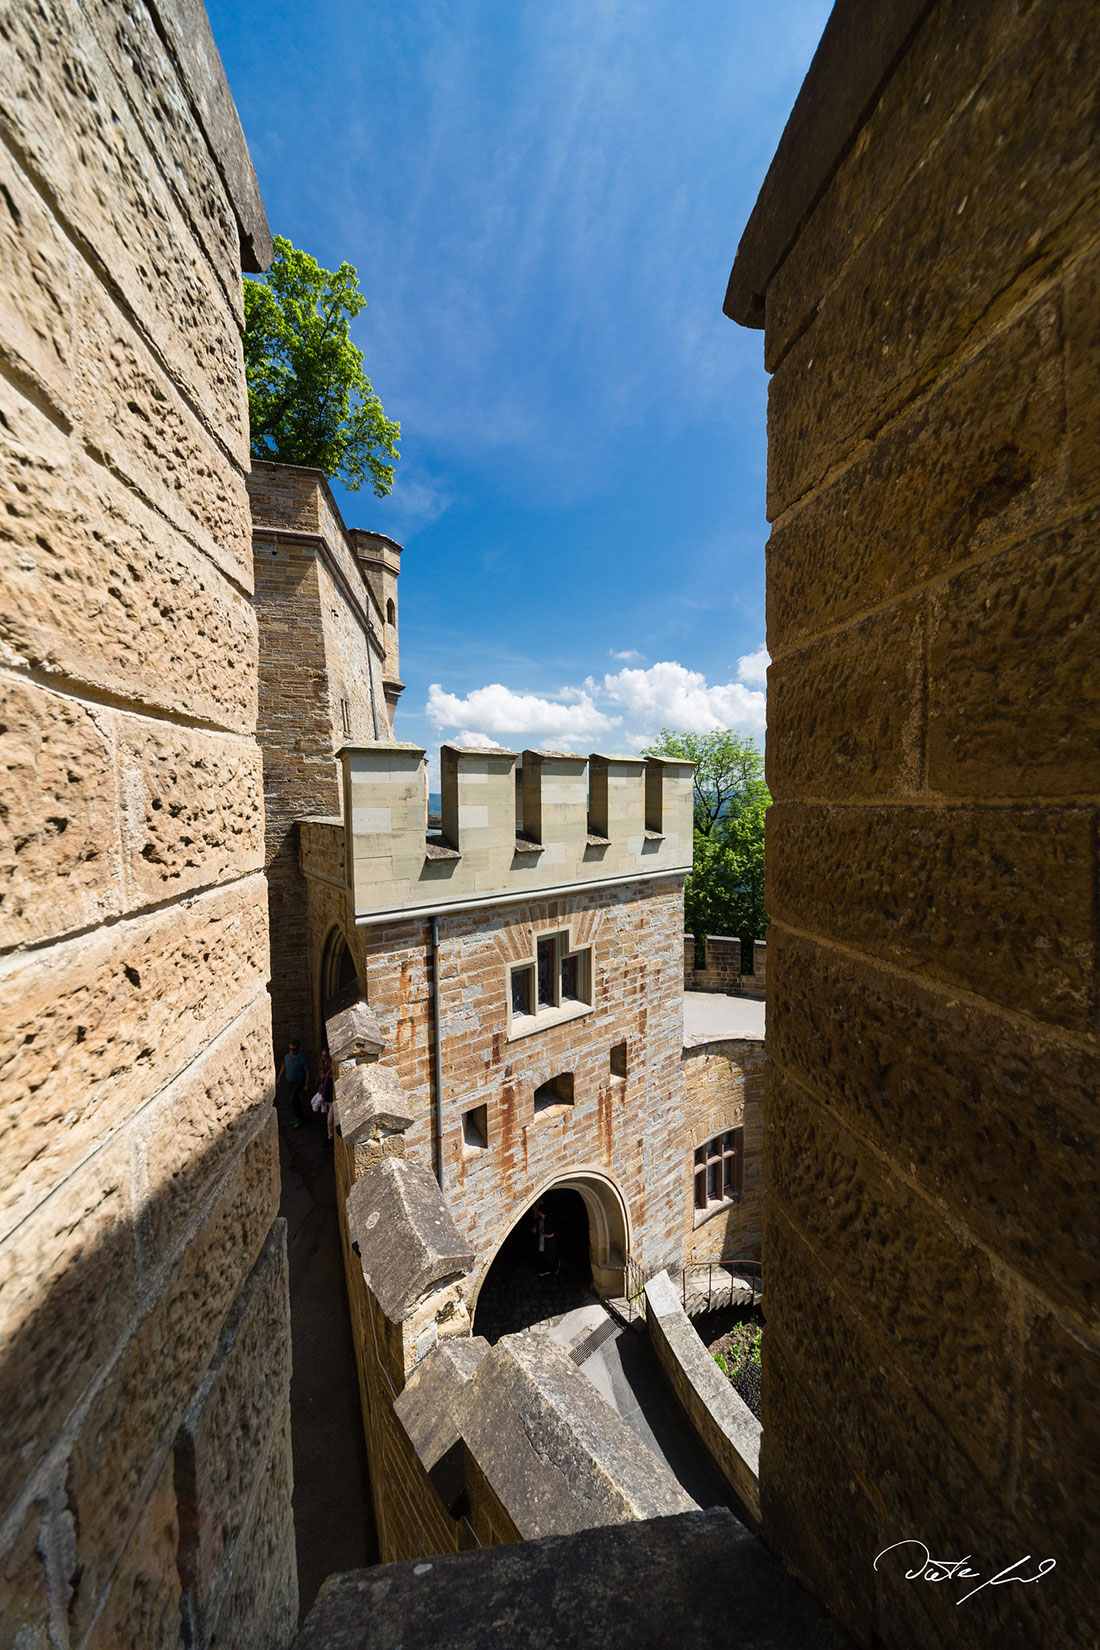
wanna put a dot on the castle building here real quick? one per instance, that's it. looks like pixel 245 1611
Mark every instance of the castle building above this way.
pixel 522 961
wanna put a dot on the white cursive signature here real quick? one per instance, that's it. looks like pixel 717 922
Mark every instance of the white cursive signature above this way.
pixel 957 1569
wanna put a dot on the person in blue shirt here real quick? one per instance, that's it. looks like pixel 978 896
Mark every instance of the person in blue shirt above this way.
pixel 295 1071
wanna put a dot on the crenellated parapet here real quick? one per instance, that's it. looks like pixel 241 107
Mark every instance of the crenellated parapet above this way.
pixel 512 823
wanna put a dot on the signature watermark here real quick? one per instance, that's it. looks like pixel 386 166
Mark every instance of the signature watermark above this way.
pixel 927 1568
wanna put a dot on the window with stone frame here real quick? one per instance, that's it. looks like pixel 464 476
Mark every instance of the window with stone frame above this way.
pixel 720 1170
pixel 559 978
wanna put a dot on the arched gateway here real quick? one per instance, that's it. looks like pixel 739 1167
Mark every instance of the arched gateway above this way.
pixel 608 1235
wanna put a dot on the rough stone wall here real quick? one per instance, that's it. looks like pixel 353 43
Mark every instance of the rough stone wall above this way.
pixel 621 1127
pixel 320 687
pixel 933 1349
pixel 724 1089
pixel 138 1256
pixel 721 970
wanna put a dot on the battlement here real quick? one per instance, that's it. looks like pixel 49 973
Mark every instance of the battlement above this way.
pixel 512 823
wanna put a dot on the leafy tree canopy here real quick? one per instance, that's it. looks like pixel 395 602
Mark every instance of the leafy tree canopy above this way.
pixel 729 773
pixel 725 891
pixel 309 400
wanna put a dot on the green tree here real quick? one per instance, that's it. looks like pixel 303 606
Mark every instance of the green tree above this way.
pixel 725 892
pixel 309 400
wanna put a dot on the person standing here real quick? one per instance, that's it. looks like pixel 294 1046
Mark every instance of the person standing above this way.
pixel 325 1090
pixel 295 1072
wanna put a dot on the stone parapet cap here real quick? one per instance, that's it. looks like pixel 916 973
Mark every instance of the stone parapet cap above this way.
pixel 351 1027
pixel 858 52
pixel 624 1582
pixel 555 1454
pixel 404 1234
pixel 370 1098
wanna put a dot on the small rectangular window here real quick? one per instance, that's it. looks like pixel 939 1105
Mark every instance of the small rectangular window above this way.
pixel 719 1168
pixel 618 1060
pixel 523 990
pixel 475 1129
pixel 345 715
pixel 570 966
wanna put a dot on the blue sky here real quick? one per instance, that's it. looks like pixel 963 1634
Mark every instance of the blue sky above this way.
pixel 543 199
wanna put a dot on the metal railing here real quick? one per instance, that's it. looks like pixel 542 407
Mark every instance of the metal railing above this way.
pixel 635 1278
pixel 699 1281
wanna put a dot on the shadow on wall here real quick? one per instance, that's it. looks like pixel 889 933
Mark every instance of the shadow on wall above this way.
pixel 144 1382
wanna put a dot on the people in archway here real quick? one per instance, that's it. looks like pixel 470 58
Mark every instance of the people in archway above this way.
pixel 545 1240
pixel 294 1071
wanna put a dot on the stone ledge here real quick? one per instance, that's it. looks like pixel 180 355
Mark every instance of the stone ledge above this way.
pixel 370 1098
pixel 351 1027
pixel 728 1429
pixel 404 1235
pixel 696 1579
pixel 855 58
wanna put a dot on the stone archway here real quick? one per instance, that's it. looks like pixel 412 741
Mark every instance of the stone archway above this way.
pixel 608 1228
pixel 337 968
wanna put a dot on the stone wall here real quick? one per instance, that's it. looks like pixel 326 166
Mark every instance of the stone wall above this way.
pixel 143 1314
pixel 724 1423
pixel 724 1089
pixel 644 824
pixel 933 1348
pixel 721 970
pixel 321 686
pixel 618 1129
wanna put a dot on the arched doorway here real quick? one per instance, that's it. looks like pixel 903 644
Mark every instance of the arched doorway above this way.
pixel 586 1219
pixel 337 968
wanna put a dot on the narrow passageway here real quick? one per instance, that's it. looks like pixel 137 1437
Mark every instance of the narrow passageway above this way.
pixel 333 1517
pixel 526 1285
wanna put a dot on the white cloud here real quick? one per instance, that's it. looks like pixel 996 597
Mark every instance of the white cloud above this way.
pixel 752 668
pixel 495 709
pixel 629 655
pixel 668 695
pixel 630 705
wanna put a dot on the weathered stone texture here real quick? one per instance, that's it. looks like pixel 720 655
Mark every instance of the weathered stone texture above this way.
pixel 967 466
pixel 1014 671
pixel 179 637
pixel 992 203
pixel 60 855
pixel 931 1248
pixel 234 1448
pixel 845 717
pixel 992 900
pixel 133 1420
pixel 68 1287
pixel 992 1117
pixel 98 1025
pixel 70 118
pixel 139 1155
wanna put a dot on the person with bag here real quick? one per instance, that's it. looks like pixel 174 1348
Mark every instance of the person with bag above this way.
pixel 323 1099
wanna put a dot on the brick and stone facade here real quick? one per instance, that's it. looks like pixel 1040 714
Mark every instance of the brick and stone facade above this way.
pixel 924 261
pixel 143 1311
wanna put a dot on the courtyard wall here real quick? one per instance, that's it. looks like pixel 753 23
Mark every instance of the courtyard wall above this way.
pixel 145 1465
pixel 925 261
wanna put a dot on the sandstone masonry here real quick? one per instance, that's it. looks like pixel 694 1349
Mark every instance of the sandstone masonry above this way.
pixel 924 261
pixel 145 1464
